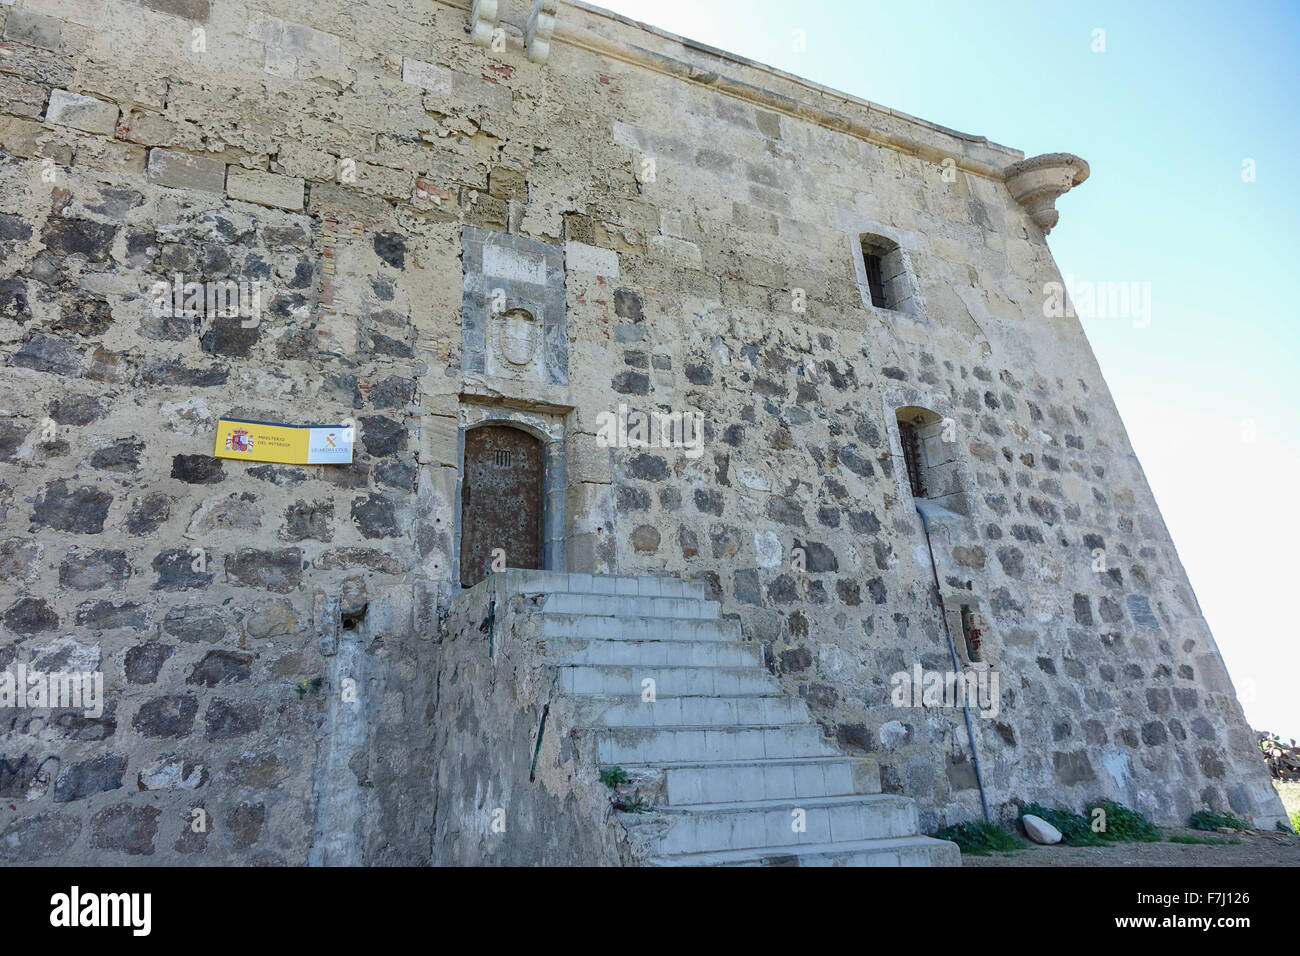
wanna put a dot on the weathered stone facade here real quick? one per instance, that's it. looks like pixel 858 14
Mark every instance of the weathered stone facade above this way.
pixel 671 229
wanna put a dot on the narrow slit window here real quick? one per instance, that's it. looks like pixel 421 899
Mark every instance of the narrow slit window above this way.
pixel 912 456
pixel 875 283
pixel 972 633
pixel 502 458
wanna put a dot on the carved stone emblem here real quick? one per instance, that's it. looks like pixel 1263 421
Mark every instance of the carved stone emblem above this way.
pixel 517 337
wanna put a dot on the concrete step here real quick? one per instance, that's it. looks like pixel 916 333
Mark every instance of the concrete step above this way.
pixel 725 756
pixel 703 711
pixel 608 605
pixel 737 781
pixel 640 746
pixel 608 681
pixel 899 851
pixel 771 823
pixel 521 581
pixel 624 653
pixel 555 624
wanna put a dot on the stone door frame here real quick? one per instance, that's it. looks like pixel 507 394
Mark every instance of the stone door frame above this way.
pixel 547 429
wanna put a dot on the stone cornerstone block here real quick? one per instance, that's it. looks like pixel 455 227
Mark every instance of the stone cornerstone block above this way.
pixel 439 436
pixel 183 171
pixel 266 189
pixel 81 112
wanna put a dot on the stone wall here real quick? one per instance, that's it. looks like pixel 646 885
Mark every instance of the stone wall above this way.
pixel 517 784
pixel 709 212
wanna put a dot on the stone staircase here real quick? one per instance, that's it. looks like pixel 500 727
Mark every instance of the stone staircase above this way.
pixel 733 769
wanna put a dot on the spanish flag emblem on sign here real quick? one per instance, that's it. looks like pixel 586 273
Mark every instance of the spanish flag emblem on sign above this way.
pixel 284 444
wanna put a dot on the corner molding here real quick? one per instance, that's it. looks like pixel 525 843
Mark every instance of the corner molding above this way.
pixel 537 33
pixel 1035 183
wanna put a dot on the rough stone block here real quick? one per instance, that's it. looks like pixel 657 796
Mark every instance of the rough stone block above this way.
pixel 304 41
pixel 346 204
pixel 297 159
pixel 382 181
pixel 150 129
pixel 86 12
pixel 186 9
pixel 505 183
pixel 436 79
pixel 439 437
pixel 185 171
pixel 678 252
pixel 82 112
pixel 34 29
pixel 286 43
pixel 580 257
pixel 588 461
pixel 474 90
pixel 21 97
pixel 265 189
pixel 110 156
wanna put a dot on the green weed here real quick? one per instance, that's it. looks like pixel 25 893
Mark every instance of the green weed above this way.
pixel 977 838
pixel 1124 825
pixel 613 776
pixel 1209 820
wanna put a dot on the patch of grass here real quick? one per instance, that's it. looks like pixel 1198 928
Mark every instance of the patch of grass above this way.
pixel 1295 823
pixel 1209 820
pixel 613 776
pixel 1074 827
pixel 1124 825
pixel 1206 841
pixel 977 838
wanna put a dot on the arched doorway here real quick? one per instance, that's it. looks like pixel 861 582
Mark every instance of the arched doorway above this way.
pixel 501 502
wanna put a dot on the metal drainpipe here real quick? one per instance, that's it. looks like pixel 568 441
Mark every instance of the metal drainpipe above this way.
pixel 956 669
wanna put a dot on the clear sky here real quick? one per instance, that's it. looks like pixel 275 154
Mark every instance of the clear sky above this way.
pixel 1166 116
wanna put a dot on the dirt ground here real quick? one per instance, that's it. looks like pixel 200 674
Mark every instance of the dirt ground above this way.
pixel 1260 848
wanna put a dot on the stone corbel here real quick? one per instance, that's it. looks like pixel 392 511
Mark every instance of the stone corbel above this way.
pixel 1036 182
pixel 483 21
pixel 537 35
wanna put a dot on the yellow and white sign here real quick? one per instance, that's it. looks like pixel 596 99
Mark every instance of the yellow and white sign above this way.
pixel 284 444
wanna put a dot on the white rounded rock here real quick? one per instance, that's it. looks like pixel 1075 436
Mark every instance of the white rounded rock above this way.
pixel 1039 830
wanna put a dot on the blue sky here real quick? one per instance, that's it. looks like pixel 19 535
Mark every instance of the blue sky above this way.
pixel 1181 96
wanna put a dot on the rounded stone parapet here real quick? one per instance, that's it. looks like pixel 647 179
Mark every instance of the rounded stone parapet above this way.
pixel 1036 182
